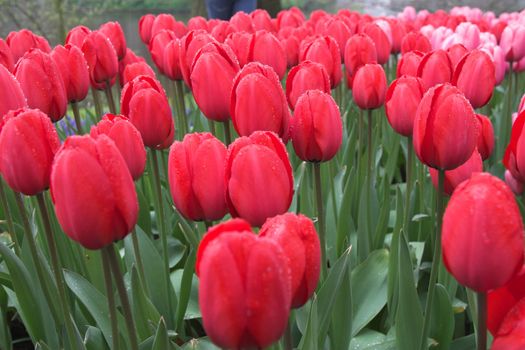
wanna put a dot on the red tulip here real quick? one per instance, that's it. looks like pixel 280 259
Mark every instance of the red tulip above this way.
pixel 510 334
pixel 197 22
pixel 267 49
pixel 157 47
pixel 336 28
pixel 12 96
pixel 501 300
pixel 261 20
pixel 402 99
pixel 435 68
pixel 101 58
pixel 145 103
pixel 93 192
pixel 134 70
pixel 127 139
pixel 307 75
pixel 221 30
pixel 512 42
pixel 456 176
pixel 475 76
pixel 456 53
pixel 189 47
pixel 290 43
pixel 74 71
pixel 415 41
pixel 166 21
pixel 380 38
pixel 409 63
pixel 398 34
pixel 42 83
pixel 77 35
pixel 252 310
pixel 259 179
pixel 28 143
pixel 196 177
pixel 359 50
pixel 297 237
pixel 240 43
pixel 23 41
pixel 6 56
pixel 258 102
pixel 323 50
pixel 242 22
pixel 515 185
pixel 212 74
pixel 130 58
pixel 145 23
pixel 290 18
pixel 514 159
pixel 369 86
pixel 171 60
pixel 486 137
pixel 445 129
pixel 316 127
pixel 115 34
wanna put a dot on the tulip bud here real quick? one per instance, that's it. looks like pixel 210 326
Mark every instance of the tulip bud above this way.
pixel 127 139
pixel 6 56
pixel 189 47
pixel 415 41
pixel 402 99
pixel 380 38
pixel 130 58
pixel 323 50
pixel 510 334
pixel 316 127
pixel 482 234
pixel 359 50
pixel 435 68
pixel 42 83
pixel 261 20
pixel 240 42
pixel 248 262
pixel 515 185
pixel 101 58
pixel 306 76
pixel 157 47
pixel 134 70
pixel 512 42
pixel 28 143
pixel 197 22
pixel 145 23
pixel 409 64
pixel 258 102
pixel 166 21
pixel 171 60
pixel 12 96
pixel 456 176
pixel 259 178
pixel 399 31
pixel 23 41
pixel 74 71
pixel 93 192
pixel 267 49
pixel 242 22
pixel 213 96
pixel 456 53
pixel 475 76
pixel 290 44
pixel 513 159
pixel 77 35
pixel 369 86
pixel 297 237
pixel 196 177
pixel 486 137
pixel 115 34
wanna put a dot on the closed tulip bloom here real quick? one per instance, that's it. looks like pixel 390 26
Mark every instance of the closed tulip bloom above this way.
pixel 6 56
pixel 510 334
pixel 166 21
pixel 369 86
pixel 258 275
pixel 136 69
pixel 157 47
pixel 258 102
pixel 213 95
pixel 514 159
pixel 289 18
pixel 115 34
pixel 267 49
pixel 402 99
pixel 171 60
pixel 12 96
pixel 336 28
pixel 259 179
pixel 482 234
pixel 145 103
pixel 475 76
pixel 456 53
pixel 189 47
pixel 380 38
pixel 297 237
pixel 130 58
pixel 501 300
pixel 127 139
pixel 240 43
pixel 486 137
pixel 93 192
pixel 196 177
pixel 512 42
pixel 262 20
pixel 409 64
pixel 415 41
pixel 306 76
pixel 28 143
pixel 290 44
pixel 456 176
pixel 197 22
pixel 221 30
pixel 398 33
pixel 445 129
pixel 435 68
pixel 242 22
pixel 77 35
pixel 42 83
pixel 515 185
pixel 101 58
pixel 316 127
pixel 145 24
pixel 23 41
pixel 323 50
pixel 74 71
pixel 359 50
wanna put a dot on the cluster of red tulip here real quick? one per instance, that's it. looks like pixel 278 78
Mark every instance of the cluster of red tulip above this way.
pixel 449 66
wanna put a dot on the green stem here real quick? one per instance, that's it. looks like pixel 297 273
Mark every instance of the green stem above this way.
pixel 369 182
pixel 34 255
pixel 435 260
pixel 9 218
pixel 109 97
pixel 370 151
pixel 111 300
pixel 179 100
pixel 227 132
pixel 138 260
pixel 59 277
pixel 320 214
pixel 482 321
pixel 211 126
pixel 96 101
pixel 361 141
pixel 76 114
pixel 124 301
pixel 287 338
pixel 208 224
pixel 410 160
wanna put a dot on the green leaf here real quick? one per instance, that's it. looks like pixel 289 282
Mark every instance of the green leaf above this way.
pixel 144 312
pixel 369 289
pixel 94 339
pixel 341 328
pixel 442 318
pixel 464 343
pixel 372 340
pixel 310 340
pixel 200 344
pixel 185 290
pixel 393 264
pixel 5 334
pixel 161 341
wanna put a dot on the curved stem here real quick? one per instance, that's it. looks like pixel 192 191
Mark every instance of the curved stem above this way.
pixel 482 321
pixel 109 96
pixel 124 301
pixel 227 132
pixel 435 260
pixel 76 114
pixel 320 214
pixel 9 218
pixel 59 277
pixel 111 300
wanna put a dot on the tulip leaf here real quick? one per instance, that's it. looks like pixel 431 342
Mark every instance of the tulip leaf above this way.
pixel 341 328
pixel 393 264
pixel 464 343
pixel 310 341
pixel 369 289
pixel 200 344
pixel 442 320
pixel 5 334
pixel 161 341
pixel 144 311
pixel 185 290
pixel 94 339
pixel 369 339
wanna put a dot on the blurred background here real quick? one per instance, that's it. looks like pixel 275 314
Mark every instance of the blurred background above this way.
pixel 52 18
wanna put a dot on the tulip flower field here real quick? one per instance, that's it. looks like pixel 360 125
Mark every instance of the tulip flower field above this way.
pixel 310 181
